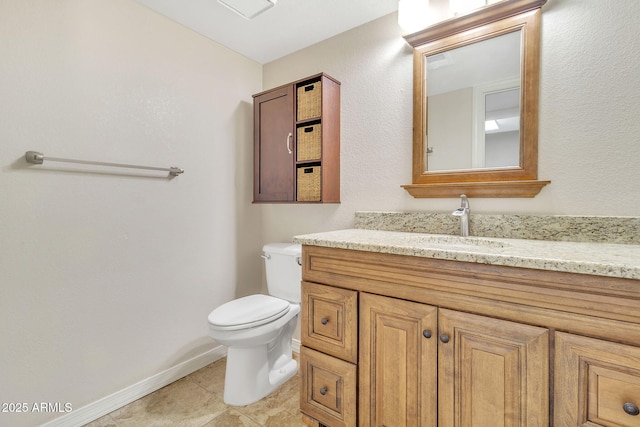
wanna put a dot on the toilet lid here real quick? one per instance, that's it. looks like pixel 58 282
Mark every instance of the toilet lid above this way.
pixel 248 312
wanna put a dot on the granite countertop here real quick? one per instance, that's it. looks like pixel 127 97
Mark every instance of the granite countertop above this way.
pixel 602 259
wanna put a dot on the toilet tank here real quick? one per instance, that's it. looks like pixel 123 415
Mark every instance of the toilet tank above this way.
pixel 284 272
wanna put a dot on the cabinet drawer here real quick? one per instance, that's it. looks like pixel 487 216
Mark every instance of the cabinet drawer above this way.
pixel 328 388
pixel 597 382
pixel 330 320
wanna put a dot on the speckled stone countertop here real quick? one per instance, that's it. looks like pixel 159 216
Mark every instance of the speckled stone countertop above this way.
pixel 566 228
pixel 603 259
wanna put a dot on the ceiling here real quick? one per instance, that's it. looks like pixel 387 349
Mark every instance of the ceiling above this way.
pixel 289 26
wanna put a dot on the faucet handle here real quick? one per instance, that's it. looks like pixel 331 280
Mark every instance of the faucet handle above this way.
pixel 458 212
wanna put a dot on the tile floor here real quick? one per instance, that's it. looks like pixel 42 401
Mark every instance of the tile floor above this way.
pixel 196 401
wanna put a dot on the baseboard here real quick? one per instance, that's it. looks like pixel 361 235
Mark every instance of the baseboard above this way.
pixel 110 403
pixel 102 407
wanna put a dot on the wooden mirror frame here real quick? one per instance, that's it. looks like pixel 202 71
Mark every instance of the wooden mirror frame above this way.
pixel 490 21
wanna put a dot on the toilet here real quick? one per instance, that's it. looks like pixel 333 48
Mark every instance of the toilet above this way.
pixel 257 329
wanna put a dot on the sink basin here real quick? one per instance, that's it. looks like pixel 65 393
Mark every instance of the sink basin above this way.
pixel 453 241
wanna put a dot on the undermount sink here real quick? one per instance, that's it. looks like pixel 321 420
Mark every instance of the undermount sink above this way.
pixel 453 241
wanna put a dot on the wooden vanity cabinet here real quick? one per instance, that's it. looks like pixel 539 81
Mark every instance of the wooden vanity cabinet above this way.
pixel 297 142
pixel 447 343
pixel 492 371
pixel 485 372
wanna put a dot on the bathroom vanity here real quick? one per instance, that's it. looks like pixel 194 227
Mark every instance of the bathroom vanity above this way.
pixel 413 329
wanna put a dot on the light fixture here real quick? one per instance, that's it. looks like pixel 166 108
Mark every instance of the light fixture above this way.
pixel 413 15
pixel 458 7
pixel 248 8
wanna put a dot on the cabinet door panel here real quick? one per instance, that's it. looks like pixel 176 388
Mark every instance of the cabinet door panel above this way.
pixel 328 390
pixel 597 382
pixel 330 320
pixel 397 362
pixel 274 166
pixel 491 372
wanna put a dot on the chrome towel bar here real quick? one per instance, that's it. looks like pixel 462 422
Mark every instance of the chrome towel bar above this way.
pixel 37 158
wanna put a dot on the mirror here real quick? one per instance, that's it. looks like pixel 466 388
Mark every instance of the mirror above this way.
pixel 476 103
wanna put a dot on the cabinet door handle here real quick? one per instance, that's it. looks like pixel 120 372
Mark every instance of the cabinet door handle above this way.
pixel 324 320
pixel 444 338
pixel 426 333
pixel 631 408
pixel 323 391
pixel 289 142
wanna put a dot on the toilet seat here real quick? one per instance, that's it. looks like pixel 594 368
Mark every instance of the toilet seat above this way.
pixel 248 312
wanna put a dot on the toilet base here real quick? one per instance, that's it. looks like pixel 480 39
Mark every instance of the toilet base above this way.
pixel 255 371
pixel 248 377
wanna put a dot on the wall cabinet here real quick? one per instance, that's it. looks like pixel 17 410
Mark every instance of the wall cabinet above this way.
pixel 297 142
pixel 446 343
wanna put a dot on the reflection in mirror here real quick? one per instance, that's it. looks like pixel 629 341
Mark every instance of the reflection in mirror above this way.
pixel 473 105
pixel 500 130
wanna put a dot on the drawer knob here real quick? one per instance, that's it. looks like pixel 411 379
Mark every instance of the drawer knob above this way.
pixel 324 320
pixel 444 338
pixel 426 333
pixel 323 391
pixel 631 408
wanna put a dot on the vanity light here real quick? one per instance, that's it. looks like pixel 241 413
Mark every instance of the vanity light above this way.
pixel 416 15
pixel 459 7
pixel 248 8
pixel 413 15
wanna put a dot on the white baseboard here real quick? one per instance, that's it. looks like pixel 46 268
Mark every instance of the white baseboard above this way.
pixel 110 403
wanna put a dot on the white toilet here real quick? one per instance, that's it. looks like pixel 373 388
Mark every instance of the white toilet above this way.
pixel 258 329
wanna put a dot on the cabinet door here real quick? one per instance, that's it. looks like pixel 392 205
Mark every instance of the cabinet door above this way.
pixel 491 372
pixel 597 383
pixel 274 139
pixel 397 366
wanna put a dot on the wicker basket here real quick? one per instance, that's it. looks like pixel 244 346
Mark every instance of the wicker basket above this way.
pixel 309 143
pixel 309 184
pixel 310 101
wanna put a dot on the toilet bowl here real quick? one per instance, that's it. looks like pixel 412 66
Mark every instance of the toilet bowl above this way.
pixel 257 329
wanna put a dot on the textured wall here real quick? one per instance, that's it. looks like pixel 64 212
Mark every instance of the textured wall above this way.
pixel 107 276
pixel 590 100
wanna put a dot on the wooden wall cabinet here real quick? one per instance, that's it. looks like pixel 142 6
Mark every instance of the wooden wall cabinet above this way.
pixel 297 142
pixel 447 343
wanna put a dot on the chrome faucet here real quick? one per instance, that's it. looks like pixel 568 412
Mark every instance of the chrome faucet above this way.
pixel 463 213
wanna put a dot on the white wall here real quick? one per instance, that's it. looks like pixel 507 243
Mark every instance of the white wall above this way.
pixel 589 145
pixel 107 276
